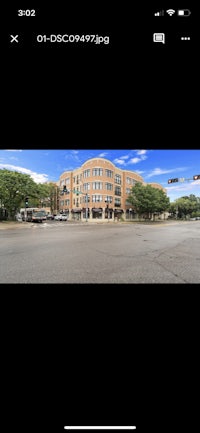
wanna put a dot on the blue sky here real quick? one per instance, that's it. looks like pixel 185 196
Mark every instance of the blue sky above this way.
pixel 153 165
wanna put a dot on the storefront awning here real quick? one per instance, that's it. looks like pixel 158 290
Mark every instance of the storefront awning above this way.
pixel 76 210
pixel 97 209
pixel 119 210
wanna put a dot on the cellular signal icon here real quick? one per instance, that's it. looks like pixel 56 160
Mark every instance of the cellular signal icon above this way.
pixel 158 14
pixel 170 12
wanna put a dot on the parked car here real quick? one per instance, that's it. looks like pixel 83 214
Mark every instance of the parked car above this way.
pixel 61 217
pixel 50 217
pixel 37 217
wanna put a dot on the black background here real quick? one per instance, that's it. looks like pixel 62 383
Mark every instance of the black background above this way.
pixel 101 360
pixel 131 90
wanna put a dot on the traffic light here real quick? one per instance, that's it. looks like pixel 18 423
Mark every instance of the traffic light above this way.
pixel 196 176
pixel 64 188
pixel 26 202
pixel 173 180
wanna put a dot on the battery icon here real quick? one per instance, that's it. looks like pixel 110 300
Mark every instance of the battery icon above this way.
pixel 184 12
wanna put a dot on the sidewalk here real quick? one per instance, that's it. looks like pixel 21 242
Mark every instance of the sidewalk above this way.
pixel 11 225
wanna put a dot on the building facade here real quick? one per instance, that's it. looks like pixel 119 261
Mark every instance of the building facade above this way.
pixel 98 190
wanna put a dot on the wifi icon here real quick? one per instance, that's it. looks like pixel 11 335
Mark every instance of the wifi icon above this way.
pixel 170 12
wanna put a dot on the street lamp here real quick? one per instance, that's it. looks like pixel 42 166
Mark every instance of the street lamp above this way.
pixel 107 207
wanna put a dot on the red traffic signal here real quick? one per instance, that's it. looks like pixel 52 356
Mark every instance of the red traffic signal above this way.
pixel 173 180
pixel 197 176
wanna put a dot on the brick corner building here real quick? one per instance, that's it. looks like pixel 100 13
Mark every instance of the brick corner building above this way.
pixel 99 190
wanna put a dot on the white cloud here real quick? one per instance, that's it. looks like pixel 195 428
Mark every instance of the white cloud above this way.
pixel 13 150
pixel 159 171
pixel 103 154
pixel 37 177
pixel 124 157
pixel 185 186
pixel 119 161
pixel 141 152
pixel 73 156
pixel 134 160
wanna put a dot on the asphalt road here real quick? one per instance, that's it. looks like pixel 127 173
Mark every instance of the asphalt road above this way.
pixel 63 252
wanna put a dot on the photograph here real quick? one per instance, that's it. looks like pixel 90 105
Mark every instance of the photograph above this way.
pixel 99 216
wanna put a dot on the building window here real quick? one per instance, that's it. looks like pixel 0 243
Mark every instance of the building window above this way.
pixel 117 202
pixel 118 179
pixel 130 181
pixel 97 172
pixel 61 202
pixel 96 198
pixel 109 186
pixel 67 202
pixel 86 173
pixel 86 186
pixel 109 173
pixel 128 190
pixel 86 199
pixel 118 190
pixel 97 185
pixel 108 199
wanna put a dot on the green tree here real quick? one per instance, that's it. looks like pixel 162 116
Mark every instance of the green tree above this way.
pixel 14 188
pixel 148 200
pixel 186 205
pixel 47 195
pixel 53 194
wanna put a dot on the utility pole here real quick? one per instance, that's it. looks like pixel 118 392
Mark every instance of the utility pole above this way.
pixel 25 211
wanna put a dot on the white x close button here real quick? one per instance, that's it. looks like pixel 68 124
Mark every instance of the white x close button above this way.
pixel 14 38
